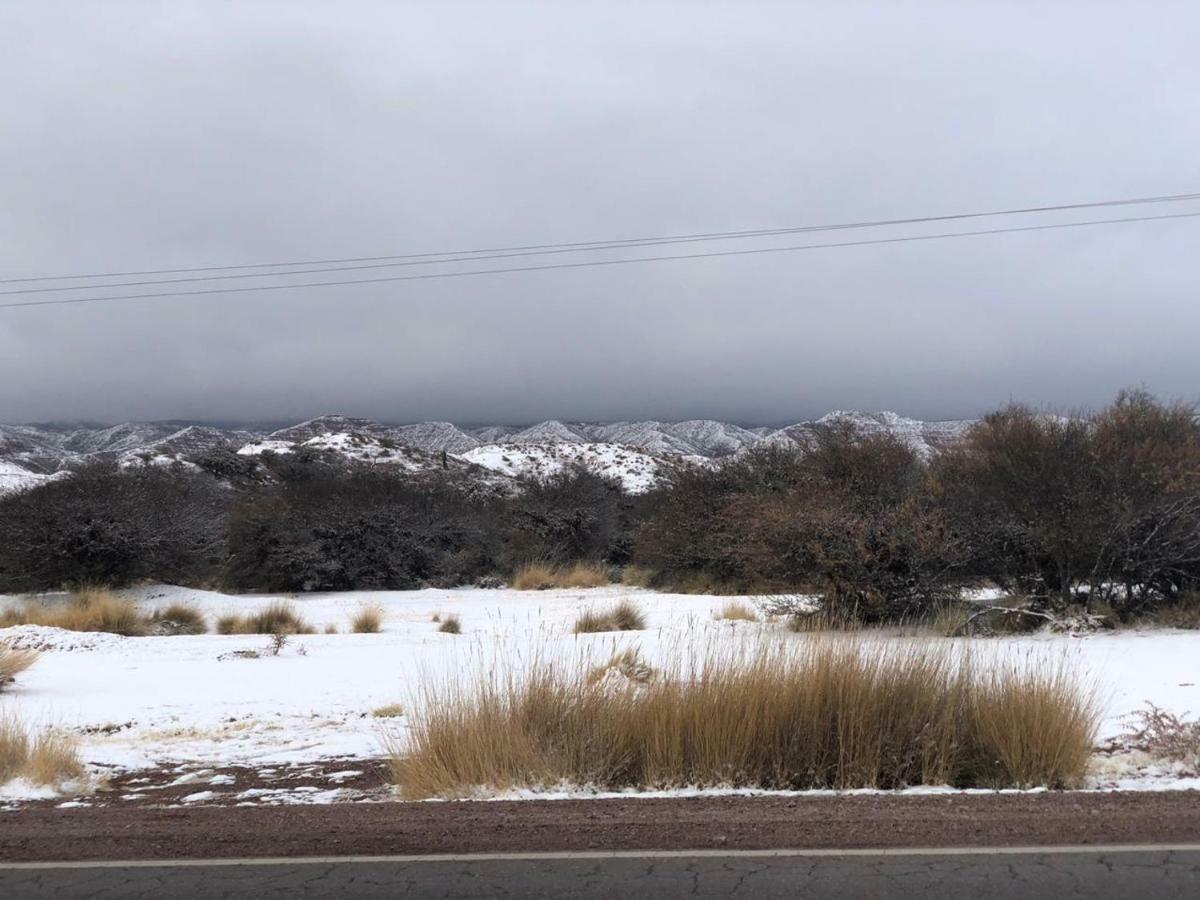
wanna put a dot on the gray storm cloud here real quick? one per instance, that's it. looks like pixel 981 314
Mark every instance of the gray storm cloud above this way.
pixel 146 135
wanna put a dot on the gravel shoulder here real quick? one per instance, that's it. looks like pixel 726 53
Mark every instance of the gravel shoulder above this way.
pixel 378 828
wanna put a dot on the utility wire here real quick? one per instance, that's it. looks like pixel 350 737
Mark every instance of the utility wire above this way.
pixel 593 263
pixel 545 249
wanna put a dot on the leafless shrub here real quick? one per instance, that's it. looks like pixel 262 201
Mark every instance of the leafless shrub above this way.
pixel 1166 735
pixel 450 625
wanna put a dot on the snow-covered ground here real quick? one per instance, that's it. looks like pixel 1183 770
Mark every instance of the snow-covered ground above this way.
pixel 152 701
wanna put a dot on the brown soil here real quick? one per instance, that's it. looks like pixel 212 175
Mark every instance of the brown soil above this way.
pixel 374 828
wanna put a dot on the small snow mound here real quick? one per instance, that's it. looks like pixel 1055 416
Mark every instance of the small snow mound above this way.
pixel 48 638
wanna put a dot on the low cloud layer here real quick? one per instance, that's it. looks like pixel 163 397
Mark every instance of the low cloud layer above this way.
pixel 144 136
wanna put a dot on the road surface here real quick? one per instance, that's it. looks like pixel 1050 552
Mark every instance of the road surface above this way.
pixel 1142 873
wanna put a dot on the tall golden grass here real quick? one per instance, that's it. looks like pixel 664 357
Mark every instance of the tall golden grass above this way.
pixel 279 617
pixel 90 609
pixel 368 619
pixel 47 757
pixel 624 616
pixel 539 576
pixel 829 712
pixel 13 662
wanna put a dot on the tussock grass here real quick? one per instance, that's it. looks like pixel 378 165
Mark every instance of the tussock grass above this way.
pixel 179 618
pixel 828 712
pixel 628 664
pixel 368 620
pixel 541 576
pixel 450 625
pixel 331 629
pixel 584 575
pixel 48 757
pixel 637 576
pixel 278 618
pixel 625 616
pixel 13 662
pixel 535 577
pixel 90 609
pixel 736 610
pixel 389 711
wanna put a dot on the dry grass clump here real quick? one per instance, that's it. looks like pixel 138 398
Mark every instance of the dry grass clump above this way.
pixel 90 609
pixel 13 662
pixel 735 611
pixel 628 665
pixel 179 618
pixel 535 577
pixel 584 575
pixel 637 576
pixel 450 625
pixel 1182 613
pixel 625 616
pixel 331 629
pixel 389 711
pixel 826 713
pixel 368 620
pixel 540 576
pixel 278 618
pixel 47 758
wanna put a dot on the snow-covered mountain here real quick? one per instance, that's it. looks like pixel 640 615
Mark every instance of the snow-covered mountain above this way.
pixel 634 452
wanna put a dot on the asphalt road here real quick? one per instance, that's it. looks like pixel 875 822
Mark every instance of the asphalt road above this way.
pixel 1144 873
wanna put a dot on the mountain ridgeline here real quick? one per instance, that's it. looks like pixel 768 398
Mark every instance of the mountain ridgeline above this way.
pixel 633 452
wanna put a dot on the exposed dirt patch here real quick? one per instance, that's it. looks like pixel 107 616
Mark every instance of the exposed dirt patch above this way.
pixel 127 832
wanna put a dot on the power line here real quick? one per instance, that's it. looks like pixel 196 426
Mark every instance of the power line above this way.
pixel 480 254
pixel 593 263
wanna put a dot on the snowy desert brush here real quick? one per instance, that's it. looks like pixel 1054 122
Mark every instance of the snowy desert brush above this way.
pixel 13 662
pixel 1166 735
pixel 830 712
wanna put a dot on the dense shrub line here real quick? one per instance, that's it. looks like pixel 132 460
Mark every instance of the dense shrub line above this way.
pixel 1102 508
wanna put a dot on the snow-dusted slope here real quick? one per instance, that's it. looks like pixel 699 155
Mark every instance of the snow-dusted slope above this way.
pixel 30 451
pixel 636 471
pixel 926 438
pixel 14 478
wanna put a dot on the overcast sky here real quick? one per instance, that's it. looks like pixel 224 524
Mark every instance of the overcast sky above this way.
pixel 162 135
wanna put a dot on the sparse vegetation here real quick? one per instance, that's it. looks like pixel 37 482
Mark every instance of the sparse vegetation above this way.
pixel 628 664
pixel 535 577
pixel 585 575
pixel 13 662
pixel 278 618
pixel 90 609
pixel 625 616
pixel 179 618
pixel 824 713
pixel 735 611
pixel 368 619
pixel 450 625
pixel 389 711
pixel 48 757
pixel 1098 511
pixel 1166 735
